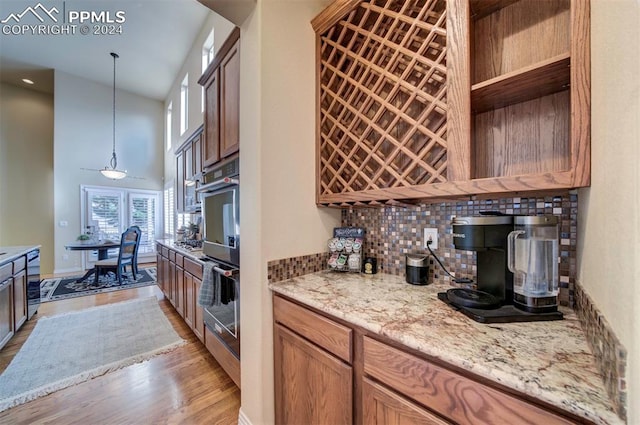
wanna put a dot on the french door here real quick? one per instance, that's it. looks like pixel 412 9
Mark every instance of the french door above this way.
pixel 109 211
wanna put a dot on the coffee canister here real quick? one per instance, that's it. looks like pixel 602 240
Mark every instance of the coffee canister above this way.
pixel 370 265
pixel 417 269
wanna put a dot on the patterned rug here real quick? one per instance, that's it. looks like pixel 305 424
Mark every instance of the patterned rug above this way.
pixel 68 287
pixel 74 347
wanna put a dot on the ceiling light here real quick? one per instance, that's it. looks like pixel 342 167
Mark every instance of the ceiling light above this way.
pixel 27 81
pixel 111 171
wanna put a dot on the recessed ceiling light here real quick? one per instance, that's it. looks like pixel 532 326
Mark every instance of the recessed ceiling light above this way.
pixel 28 81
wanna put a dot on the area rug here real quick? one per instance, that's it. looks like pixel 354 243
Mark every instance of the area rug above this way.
pixel 68 287
pixel 74 347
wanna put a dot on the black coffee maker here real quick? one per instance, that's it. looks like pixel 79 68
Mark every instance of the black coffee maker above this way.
pixel 492 300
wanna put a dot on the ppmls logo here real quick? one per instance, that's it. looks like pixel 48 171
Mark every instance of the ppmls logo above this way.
pixel 40 20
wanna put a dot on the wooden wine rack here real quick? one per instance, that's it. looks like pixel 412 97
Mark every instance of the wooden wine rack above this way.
pixel 436 99
pixel 382 101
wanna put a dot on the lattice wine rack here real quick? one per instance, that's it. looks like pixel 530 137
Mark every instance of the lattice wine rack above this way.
pixel 382 100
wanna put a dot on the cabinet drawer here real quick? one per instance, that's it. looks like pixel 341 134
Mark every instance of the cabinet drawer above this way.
pixel 6 271
pixel 383 406
pixel 165 252
pixel 328 334
pixel 193 267
pixel 172 256
pixel 453 396
pixel 19 264
pixel 223 356
pixel 179 260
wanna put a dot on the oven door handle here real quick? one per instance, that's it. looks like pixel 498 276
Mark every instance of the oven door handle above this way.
pixel 218 184
pixel 223 272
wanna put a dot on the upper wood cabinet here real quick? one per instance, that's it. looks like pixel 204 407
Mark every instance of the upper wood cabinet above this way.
pixel 189 172
pixel 435 98
pixel 221 82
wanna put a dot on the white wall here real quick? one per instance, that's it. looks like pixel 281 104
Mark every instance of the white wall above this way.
pixel 609 211
pixel 26 170
pixel 279 218
pixel 193 66
pixel 83 138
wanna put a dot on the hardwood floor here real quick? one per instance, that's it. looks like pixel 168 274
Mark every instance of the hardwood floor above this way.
pixel 185 386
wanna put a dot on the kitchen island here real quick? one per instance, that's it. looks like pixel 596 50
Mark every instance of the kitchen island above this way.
pixel 546 362
pixel 14 284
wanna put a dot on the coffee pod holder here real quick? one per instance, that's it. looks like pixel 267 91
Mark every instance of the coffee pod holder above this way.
pixel 345 249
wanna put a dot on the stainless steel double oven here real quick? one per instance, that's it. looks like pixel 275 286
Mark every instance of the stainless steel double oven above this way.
pixel 220 195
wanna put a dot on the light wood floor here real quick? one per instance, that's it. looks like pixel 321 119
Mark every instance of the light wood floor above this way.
pixel 185 386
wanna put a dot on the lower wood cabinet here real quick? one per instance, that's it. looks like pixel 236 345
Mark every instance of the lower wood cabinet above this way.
pixel 180 278
pixel 331 372
pixel 312 386
pixel 383 406
pixel 19 298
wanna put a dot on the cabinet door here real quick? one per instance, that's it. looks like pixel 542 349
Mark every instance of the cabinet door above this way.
pixel 230 102
pixel 6 311
pixel 197 155
pixel 173 294
pixel 19 299
pixel 159 270
pixel 198 312
pixel 383 407
pixel 179 289
pixel 180 182
pixel 189 299
pixel 188 162
pixel 311 386
pixel 212 120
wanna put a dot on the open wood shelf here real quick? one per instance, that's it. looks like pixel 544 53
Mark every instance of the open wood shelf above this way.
pixel 482 8
pixel 541 79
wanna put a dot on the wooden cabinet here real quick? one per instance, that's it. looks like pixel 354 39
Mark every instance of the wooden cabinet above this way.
pixel 221 82
pixel 6 303
pixel 480 97
pixel 180 179
pixel 19 298
pixel 314 384
pixel 180 279
pixel 382 406
pixel 193 315
pixel 13 298
pixel 332 372
pixel 189 172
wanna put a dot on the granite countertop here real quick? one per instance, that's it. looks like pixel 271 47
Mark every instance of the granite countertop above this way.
pixel 10 253
pixel 547 360
pixel 170 243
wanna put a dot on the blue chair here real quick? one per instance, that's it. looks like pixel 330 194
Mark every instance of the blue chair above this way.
pixel 127 256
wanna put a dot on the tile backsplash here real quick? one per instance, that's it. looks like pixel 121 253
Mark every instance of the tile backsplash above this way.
pixel 392 232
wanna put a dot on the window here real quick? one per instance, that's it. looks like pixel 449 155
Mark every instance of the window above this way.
pixel 143 212
pixel 112 210
pixel 169 126
pixel 184 104
pixel 208 52
pixel 169 229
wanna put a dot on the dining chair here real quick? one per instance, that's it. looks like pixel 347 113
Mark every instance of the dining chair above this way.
pixel 127 256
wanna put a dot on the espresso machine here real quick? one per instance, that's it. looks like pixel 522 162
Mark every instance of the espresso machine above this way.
pixel 508 249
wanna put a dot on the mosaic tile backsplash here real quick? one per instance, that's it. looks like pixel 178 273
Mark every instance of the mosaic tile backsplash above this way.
pixel 610 354
pixel 392 232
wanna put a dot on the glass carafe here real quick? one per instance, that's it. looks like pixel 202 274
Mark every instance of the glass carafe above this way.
pixel 533 259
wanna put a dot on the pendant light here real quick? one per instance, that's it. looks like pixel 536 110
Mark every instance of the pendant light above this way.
pixel 111 171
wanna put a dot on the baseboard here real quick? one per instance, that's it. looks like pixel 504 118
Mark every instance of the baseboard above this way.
pixel 242 418
pixel 69 270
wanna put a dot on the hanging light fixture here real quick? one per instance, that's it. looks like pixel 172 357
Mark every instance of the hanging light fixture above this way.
pixel 111 171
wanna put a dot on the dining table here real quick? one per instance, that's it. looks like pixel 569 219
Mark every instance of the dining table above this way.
pixel 102 247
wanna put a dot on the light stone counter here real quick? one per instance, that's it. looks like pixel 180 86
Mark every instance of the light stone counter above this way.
pixel 10 253
pixel 547 360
